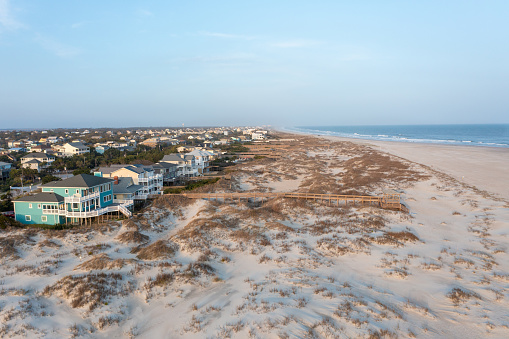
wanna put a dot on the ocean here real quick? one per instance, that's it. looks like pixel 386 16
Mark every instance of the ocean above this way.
pixel 474 135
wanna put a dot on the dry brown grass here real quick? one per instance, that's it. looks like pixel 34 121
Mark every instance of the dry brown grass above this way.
pixel 8 249
pixel 130 237
pixel 103 261
pixel 459 296
pixel 156 250
pixel 92 289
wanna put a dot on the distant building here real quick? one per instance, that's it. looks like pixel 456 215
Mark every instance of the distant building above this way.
pixel 5 169
pixel 101 149
pixel 72 148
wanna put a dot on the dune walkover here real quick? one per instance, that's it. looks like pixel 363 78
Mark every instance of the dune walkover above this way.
pixel 390 198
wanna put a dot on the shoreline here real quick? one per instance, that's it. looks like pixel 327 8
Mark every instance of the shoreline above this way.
pixel 483 167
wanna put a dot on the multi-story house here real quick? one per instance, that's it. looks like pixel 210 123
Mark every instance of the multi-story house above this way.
pixel 78 199
pixel 202 160
pixel 142 175
pixel 186 165
pixel 124 189
pixel 37 161
pixel 72 148
pixel 167 170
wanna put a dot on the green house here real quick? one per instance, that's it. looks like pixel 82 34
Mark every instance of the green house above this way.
pixel 76 200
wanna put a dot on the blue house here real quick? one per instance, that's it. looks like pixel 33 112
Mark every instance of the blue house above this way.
pixel 78 199
pixel 101 149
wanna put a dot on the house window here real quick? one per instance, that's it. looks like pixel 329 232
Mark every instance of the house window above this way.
pixel 28 218
pixel 39 206
pixel 29 205
pixel 101 188
pixel 77 191
pixel 44 218
pixel 75 205
pixel 115 196
pixel 66 191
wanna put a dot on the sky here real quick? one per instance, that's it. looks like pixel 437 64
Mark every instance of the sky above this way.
pixel 77 63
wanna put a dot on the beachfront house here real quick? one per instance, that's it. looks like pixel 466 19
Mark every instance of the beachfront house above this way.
pixel 202 160
pixel 78 199
pixel 186 165
pixel 141 175
pixel 167 170
pixel 124 189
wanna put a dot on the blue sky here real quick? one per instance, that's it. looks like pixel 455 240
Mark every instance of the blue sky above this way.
pixel 77 63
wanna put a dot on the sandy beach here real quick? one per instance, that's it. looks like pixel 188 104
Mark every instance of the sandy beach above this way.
pixel 283 268
pixel 486 168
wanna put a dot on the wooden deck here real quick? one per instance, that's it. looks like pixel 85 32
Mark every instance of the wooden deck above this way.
pixel 385 201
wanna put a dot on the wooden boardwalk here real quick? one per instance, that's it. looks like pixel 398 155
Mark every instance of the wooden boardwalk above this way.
pixel 391 200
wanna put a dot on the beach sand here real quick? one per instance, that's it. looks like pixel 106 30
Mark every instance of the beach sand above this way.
pixel 486 168
pixel 283 268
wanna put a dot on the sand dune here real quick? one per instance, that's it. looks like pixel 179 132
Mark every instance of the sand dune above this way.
pixel 283 268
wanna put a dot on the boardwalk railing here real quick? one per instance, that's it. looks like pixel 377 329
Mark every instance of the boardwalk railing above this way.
pixel 383 201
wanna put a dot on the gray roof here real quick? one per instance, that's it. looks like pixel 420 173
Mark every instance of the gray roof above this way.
pixel 111 168
pixel 38 155
pixel 164 165
pixel 77 144
pixel 134 169
pixel 33 161
pixel 82 180
pixel 172 157
pixel 42 197
pixel 125 185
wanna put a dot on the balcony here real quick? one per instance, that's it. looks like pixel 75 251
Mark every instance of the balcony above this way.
pixel 156 177
pixel 120 207
pixel 79 199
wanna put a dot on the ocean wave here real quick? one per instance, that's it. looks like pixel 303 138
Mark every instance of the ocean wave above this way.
pixel 411 134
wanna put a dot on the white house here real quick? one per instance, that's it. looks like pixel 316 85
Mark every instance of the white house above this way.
pixel 202 159
pixel 37 161
pixel 186 165
pixel 73 148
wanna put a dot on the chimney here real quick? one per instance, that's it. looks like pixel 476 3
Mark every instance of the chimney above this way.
pixel 116 180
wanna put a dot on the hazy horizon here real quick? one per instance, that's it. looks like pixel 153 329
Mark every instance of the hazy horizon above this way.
pixel 147 63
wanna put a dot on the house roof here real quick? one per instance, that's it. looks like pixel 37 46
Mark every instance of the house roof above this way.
pixel 77 144
pixel 164 165
pixel 37 155
pixel 82 180
pixel 111 168
pixel 132 168
pixel 172 157
pixel 125 185
pixel 33 161
pixel 199 152
pixel 42 197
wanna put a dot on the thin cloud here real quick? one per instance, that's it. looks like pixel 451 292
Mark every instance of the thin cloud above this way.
pixel 6 19
pixel 228 36
pixel 296 44
pixel 57 48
